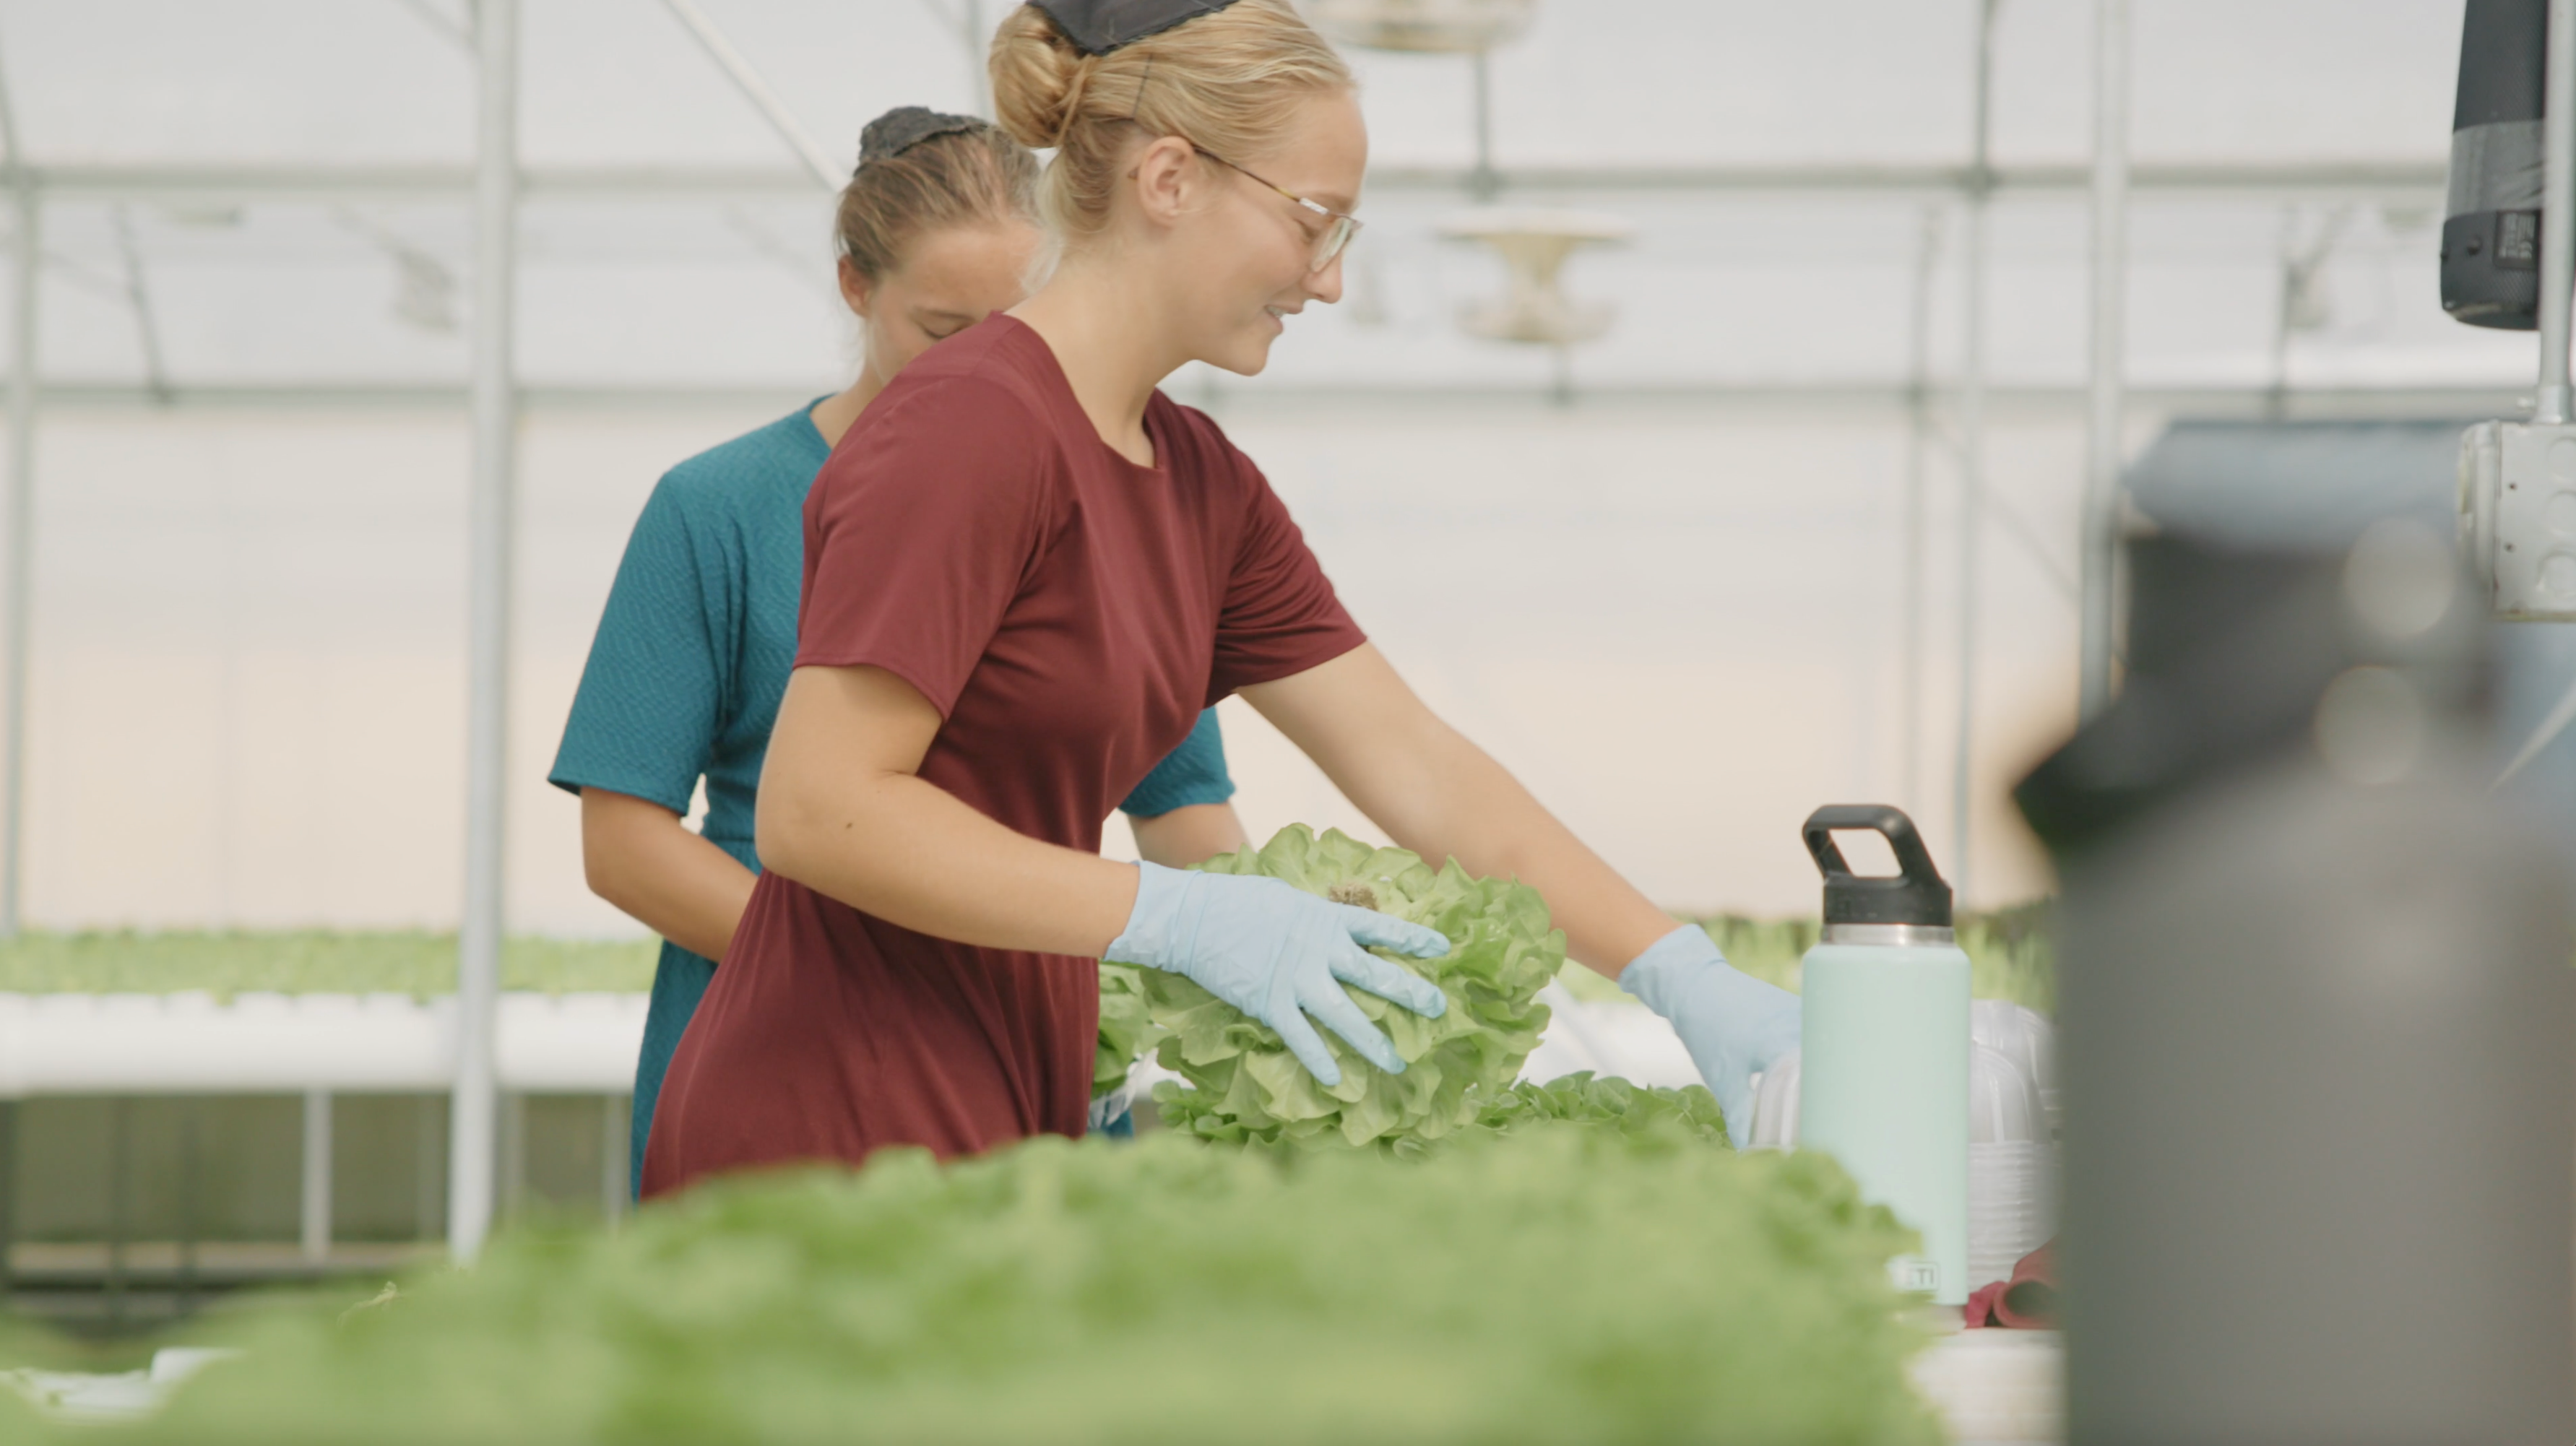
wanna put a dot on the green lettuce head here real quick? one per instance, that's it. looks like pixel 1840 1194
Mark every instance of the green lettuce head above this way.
pixel 1126 1026
pixel 1246 1088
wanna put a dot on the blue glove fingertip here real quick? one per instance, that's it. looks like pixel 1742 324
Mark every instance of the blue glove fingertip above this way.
pixel 1296 1032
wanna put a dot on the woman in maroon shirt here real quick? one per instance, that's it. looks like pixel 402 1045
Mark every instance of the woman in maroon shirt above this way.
pixel 986 665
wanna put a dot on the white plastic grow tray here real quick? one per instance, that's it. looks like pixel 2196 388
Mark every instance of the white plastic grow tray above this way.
pixel 61 1044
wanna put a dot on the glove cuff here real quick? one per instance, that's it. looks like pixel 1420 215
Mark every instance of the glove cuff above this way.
pixel 1659 975
pixel 1147 939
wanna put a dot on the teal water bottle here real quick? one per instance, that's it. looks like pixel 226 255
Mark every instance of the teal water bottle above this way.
pixel 1883 1044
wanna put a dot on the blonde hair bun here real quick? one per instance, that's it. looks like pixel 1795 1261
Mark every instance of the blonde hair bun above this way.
pixel 1230 80
pixel 1037 76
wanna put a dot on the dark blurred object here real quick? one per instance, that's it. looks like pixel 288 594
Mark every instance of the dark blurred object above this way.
pixel 2318 1013
pixel 2316 487
pixel 2307 487
pixel 2491 226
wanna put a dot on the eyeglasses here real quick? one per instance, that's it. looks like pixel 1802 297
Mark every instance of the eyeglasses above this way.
pixel 1339 226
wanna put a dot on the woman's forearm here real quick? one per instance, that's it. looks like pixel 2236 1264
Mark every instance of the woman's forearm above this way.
pixel 842 813
pixel 1441 796
pixel 642 858
pixel 1192 834
pixel 1468 807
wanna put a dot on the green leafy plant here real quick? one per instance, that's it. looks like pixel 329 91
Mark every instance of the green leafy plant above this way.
pixel 1127 1027
pixel 307 961
pixel 1690 1112
pixel 1246 1088
pixel 1554 1283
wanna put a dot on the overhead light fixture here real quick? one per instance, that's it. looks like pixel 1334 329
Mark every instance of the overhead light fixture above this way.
pixel 1534 244
pixel 1449 27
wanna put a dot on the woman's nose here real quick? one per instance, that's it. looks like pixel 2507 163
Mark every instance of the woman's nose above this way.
pixel 1326 285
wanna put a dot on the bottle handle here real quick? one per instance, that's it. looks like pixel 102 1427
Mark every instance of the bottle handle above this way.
pixel 1917 894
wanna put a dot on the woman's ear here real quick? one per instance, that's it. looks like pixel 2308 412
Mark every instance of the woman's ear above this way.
pixel 1166 174
pixel 856 288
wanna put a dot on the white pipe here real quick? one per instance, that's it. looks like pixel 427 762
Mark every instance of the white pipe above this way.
pixel 478 954
pixel 757 91
pixel 317 1176
pixel 979 75
pixel 2103 447
pixel 2558 217
pixel 18 603
pixel 1913 569
pixel 2399 183
pixel 1482 183
pixel 1972 450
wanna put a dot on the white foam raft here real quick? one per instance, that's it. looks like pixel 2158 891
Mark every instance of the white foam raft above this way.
pixel 192 1043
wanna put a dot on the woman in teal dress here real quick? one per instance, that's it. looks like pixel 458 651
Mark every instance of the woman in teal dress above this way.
pixel 937 230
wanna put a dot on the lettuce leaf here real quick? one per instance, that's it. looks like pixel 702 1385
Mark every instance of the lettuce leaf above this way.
pixel 1245 1088
pixel 1615 1104
pixel 1127 1028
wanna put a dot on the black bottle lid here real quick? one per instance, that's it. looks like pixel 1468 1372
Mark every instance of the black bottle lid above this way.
pixel 1916 894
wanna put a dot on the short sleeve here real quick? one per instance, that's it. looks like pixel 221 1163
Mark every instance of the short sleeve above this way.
pixel 1193 773
pixel 1280 616
pixel 644 720
pixel 921 530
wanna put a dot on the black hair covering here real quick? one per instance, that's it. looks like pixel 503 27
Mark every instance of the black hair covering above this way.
pixel 906 126
pixel 1097 27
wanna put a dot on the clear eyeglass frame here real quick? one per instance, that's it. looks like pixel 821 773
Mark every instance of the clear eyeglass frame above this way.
pixel 1340 227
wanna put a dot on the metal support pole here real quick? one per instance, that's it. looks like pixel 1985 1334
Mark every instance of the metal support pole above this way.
pixel 979 75
pixel 1483 183
pixel 1918 448
pixel 2557 217
pixel 138 295
pixel 757 91
pixel 18 603
pixel 1972 446
pixel 2103 447
pixel 478 962
pixel 316 1211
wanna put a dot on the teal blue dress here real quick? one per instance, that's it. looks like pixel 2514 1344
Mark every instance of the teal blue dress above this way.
pixel 691 659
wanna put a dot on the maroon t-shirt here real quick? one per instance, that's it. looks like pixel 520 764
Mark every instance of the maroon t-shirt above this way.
pixel 1070 614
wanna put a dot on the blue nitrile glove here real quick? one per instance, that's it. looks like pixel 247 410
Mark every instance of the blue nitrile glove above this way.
pixel 1279 954
pixel 1733 1024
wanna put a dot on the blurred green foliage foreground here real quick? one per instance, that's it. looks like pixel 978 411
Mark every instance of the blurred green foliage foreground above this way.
pixel 1561 1281
pixel 2010 951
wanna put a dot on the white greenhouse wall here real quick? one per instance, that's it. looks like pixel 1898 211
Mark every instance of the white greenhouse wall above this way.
pixel 1677 621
